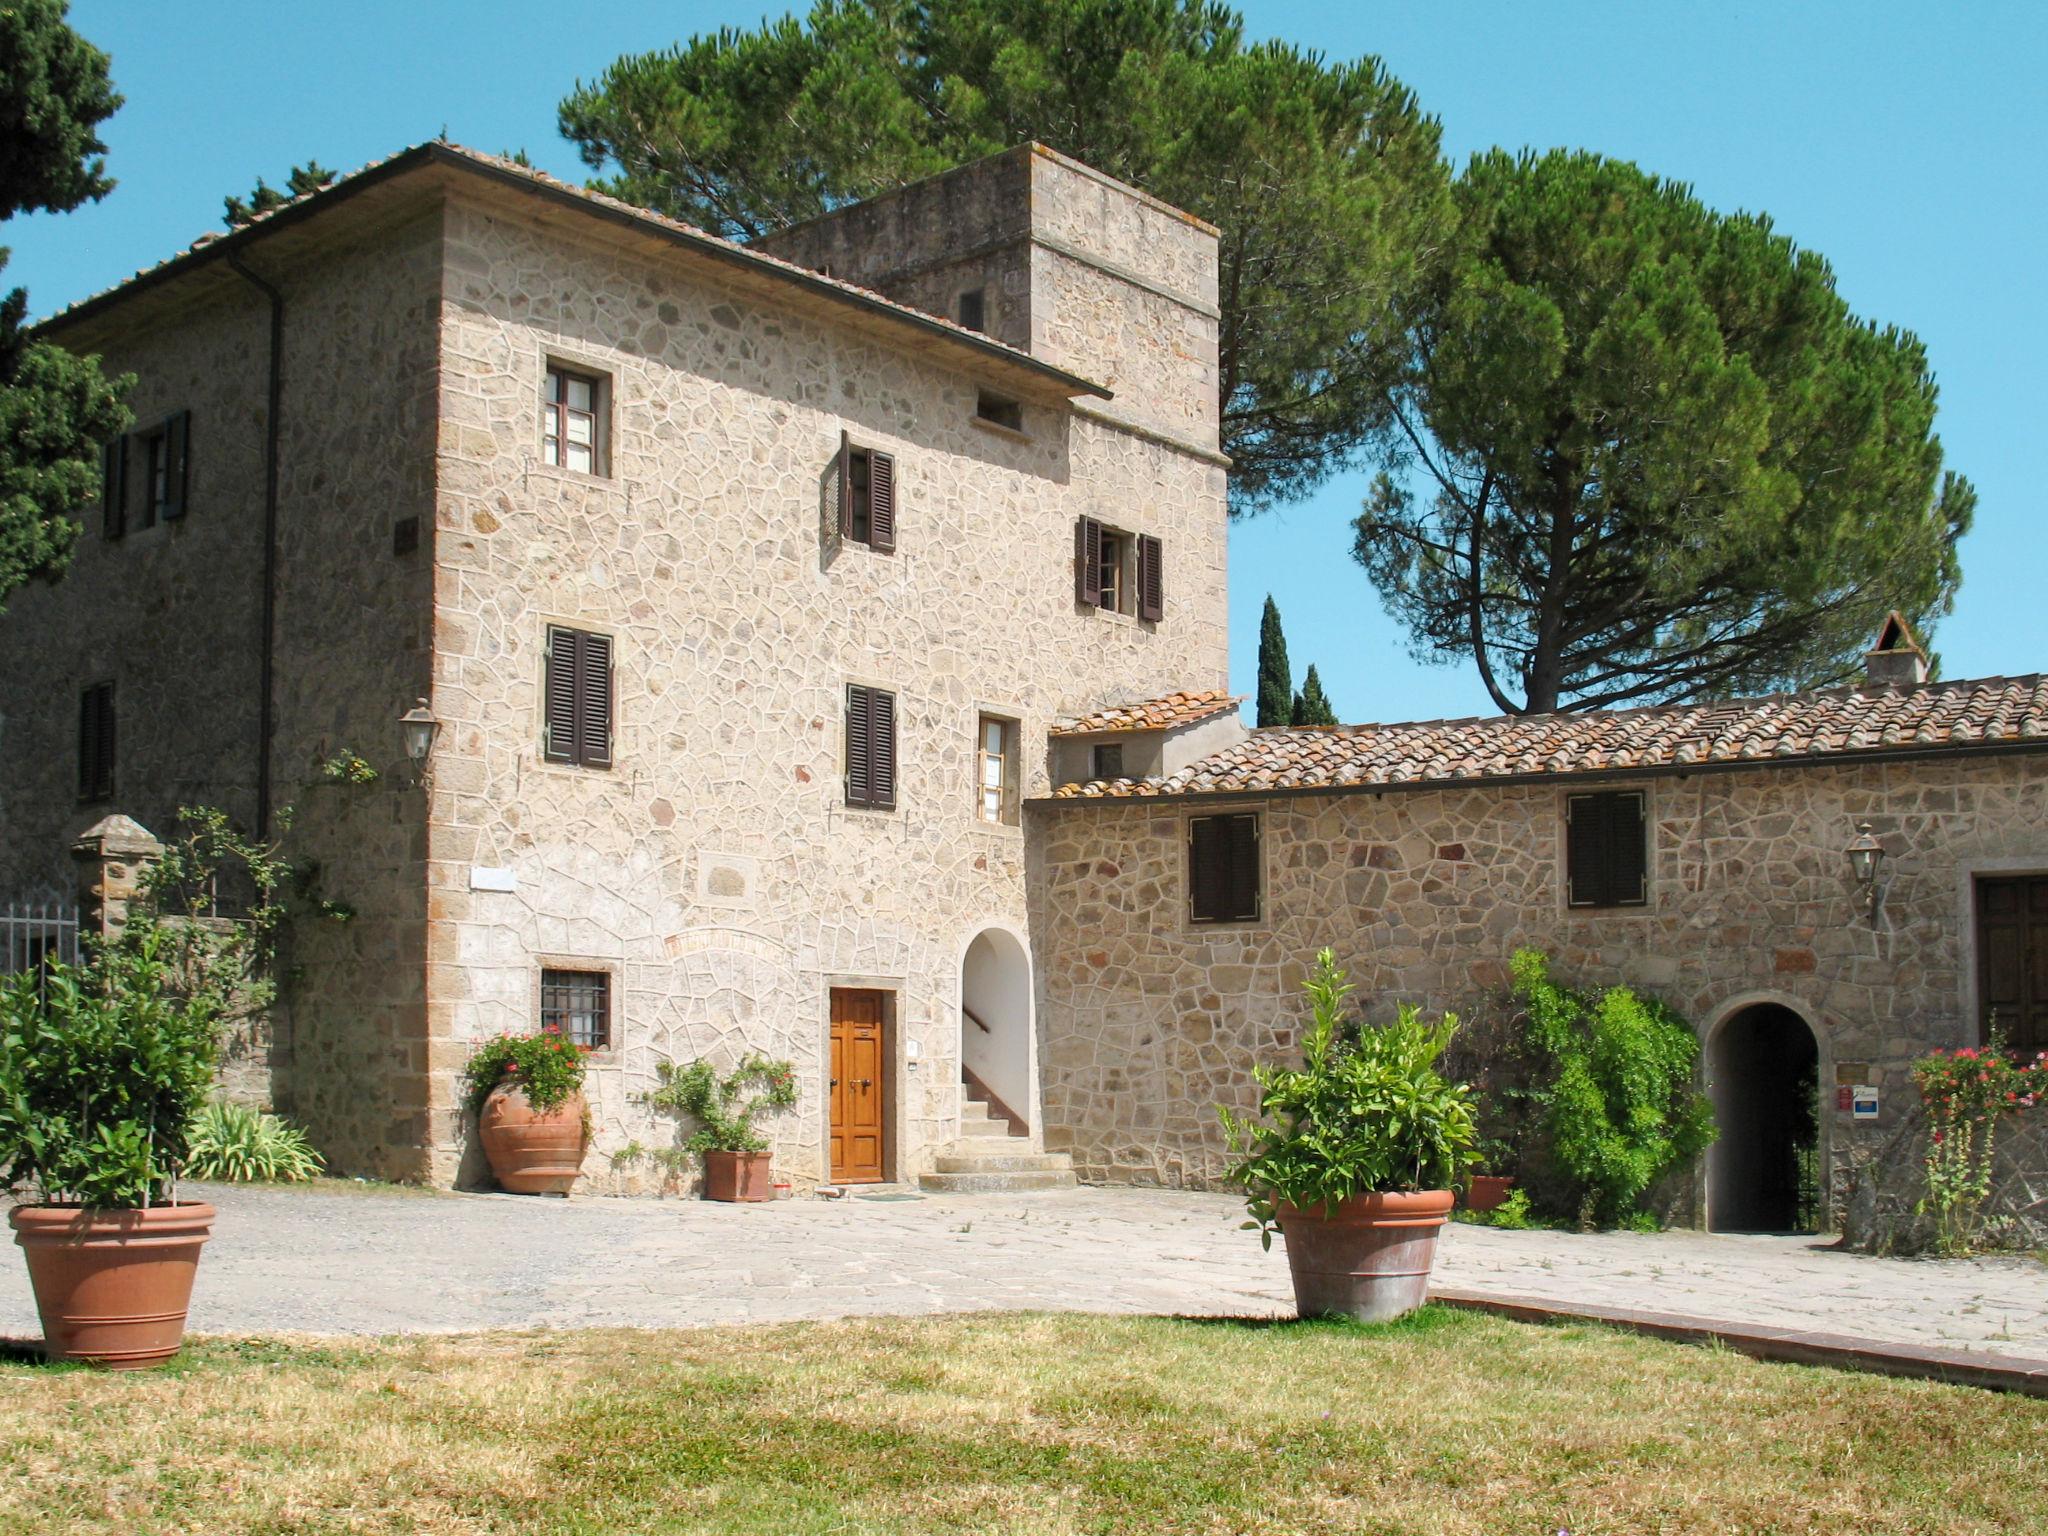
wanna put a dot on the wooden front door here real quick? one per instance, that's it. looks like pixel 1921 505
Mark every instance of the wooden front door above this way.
pixel 856 1088
pixel 2012 960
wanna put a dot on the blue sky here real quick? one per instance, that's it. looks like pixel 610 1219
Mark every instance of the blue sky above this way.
pixel 1903 141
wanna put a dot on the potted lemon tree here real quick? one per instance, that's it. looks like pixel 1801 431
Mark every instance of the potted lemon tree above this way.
pixel 1354 1156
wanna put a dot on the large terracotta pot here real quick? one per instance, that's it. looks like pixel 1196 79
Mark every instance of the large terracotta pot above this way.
pixel 112 1286
pixel 1366 1258
pixel 532 1153
pixel 738 1176
pixel 1487 1191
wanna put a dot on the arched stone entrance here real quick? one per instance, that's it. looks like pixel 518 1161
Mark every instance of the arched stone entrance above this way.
pixel 1763 1077
pixel 995 1026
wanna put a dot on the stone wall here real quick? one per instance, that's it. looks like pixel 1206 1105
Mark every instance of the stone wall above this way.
pixel 715 872
pixel 1149 1021
pixel 1886 1180
pixel 173 615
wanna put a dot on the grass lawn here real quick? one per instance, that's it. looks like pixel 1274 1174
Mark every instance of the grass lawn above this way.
pixel 1012 1423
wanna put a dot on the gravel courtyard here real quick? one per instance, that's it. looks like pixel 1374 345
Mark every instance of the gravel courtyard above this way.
pixel 374 1262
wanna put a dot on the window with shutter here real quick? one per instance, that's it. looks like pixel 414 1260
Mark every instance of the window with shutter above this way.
pixel 114 487
pixel 1606 850
pixel 1223 869
pixel 870 748
pixel 96 742
pixel 1088 563
pixel 155 478
pixel 867 497
pixel 177 452
pixel 577 722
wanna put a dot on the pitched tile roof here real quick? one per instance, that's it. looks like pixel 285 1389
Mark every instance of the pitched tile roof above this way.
pixel 1866 721
pixel 443 152
pixel 1183 708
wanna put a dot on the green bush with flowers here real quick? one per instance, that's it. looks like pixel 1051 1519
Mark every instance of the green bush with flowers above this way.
pixel 1965 1094
pixel 548 1066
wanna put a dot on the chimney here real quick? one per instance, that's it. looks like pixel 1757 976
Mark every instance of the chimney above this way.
pixel 1896 658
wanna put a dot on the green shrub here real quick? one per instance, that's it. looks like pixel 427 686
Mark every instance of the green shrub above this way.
pixel 1367 1112
pixel 1965 1094
pixel 1616 1090
pixel 102 1067
pixel 1512 1214
pixel 238 1145
pixel 547 1066
pixel 724 1112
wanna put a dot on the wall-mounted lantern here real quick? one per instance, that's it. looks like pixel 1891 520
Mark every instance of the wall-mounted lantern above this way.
pixel 419 728
pixel 1866 860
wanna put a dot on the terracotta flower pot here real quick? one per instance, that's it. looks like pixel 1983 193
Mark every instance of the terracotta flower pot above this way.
pixel 738 1176
pixel 1368 1257
pixel 1487 1191
pixel 112 1286
pixel 531 1152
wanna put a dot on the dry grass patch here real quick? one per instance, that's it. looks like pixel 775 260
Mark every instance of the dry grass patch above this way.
pixel 1450 1422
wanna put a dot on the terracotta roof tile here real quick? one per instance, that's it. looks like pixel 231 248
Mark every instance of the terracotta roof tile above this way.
pixel 1798 727
pixel 1152 714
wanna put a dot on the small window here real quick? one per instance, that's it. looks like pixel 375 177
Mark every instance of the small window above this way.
pixel 1223 869
pixel 1119 572
pixel 999 411
pixel 973 310
pixel 995 783
pixel 578 705
pixel 164 451
pixel 572 421
pixel 577 1005
pixel 96 742
pixel 867 496
pixel 1109 760
pixel 1606 853
pixel 870 748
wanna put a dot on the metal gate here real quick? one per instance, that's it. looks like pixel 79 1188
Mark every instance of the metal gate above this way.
pixel 32 934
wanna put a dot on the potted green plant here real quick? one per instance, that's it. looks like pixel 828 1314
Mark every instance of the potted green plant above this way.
pixel 736 1157
pixel 1354 1156
pixel 526 1092
pixel 1485 1191
pixel 103 1067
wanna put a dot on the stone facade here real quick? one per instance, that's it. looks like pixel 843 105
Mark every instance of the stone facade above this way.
pixel 714 872
pixel 1425 891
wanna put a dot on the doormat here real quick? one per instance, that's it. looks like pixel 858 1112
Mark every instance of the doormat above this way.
pixel 889 1197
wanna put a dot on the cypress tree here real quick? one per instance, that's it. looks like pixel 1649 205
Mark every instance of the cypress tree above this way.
pixel 1276 679
pixel 1311 706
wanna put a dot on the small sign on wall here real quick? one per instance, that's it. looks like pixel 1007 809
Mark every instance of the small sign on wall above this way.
pixel 1863 1102
pixel 484 878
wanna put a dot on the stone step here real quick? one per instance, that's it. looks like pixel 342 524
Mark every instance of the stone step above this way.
pixel 995 1183
pixel 974 1159
pixel 974 1109
pixel 984 1127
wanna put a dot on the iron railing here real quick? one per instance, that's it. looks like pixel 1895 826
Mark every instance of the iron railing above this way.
pixel 34 933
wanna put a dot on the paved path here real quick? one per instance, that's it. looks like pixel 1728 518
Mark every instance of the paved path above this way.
pixel 367 1263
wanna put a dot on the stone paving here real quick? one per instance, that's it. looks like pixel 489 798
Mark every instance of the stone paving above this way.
pixel 342 1262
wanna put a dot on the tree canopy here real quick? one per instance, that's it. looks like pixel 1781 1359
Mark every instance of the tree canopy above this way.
pixel 1324 178
pixel 1658 456
pixel 55 409
pixel 310 177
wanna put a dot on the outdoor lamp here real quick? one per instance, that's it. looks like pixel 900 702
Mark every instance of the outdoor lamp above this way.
pixel 420 728
pixel 1866 858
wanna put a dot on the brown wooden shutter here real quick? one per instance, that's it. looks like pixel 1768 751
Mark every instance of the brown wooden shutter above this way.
pixel 558 741
pixel 177 446
pixel 1208 869
pixel 859 749
pixel 1606 851
pixel 882 734
pixel 1151 580
pixel 96 742
pixel 882 502
pixel 845 486
pixel 1584 864
pixel 1627 851
pixel 1243 891
pixel 114 486
pixel 1088 563
pixel 594 701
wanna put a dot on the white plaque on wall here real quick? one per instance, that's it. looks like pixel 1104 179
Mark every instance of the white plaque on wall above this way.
pixel 484 878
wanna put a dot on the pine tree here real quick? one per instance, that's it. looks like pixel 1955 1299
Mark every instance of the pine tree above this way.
pixel 310 177
pixel 55 409
pixel 1276 678
pixel 1311 706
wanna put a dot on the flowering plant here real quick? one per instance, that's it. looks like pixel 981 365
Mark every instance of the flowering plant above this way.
pixel 1965 1094
pixel 547 1066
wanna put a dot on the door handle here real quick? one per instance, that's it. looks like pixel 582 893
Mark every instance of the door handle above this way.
pixel 835 1082
pixel 867 1082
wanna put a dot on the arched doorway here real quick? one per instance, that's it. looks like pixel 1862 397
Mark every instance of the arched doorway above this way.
pixel 1763 1076
pixel 995 1026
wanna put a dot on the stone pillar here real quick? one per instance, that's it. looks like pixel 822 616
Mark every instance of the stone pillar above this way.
pixel 112 856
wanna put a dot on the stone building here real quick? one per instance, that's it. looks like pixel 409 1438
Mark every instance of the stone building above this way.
pixel 827 642
pixel 1696 852
pixel 744 592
